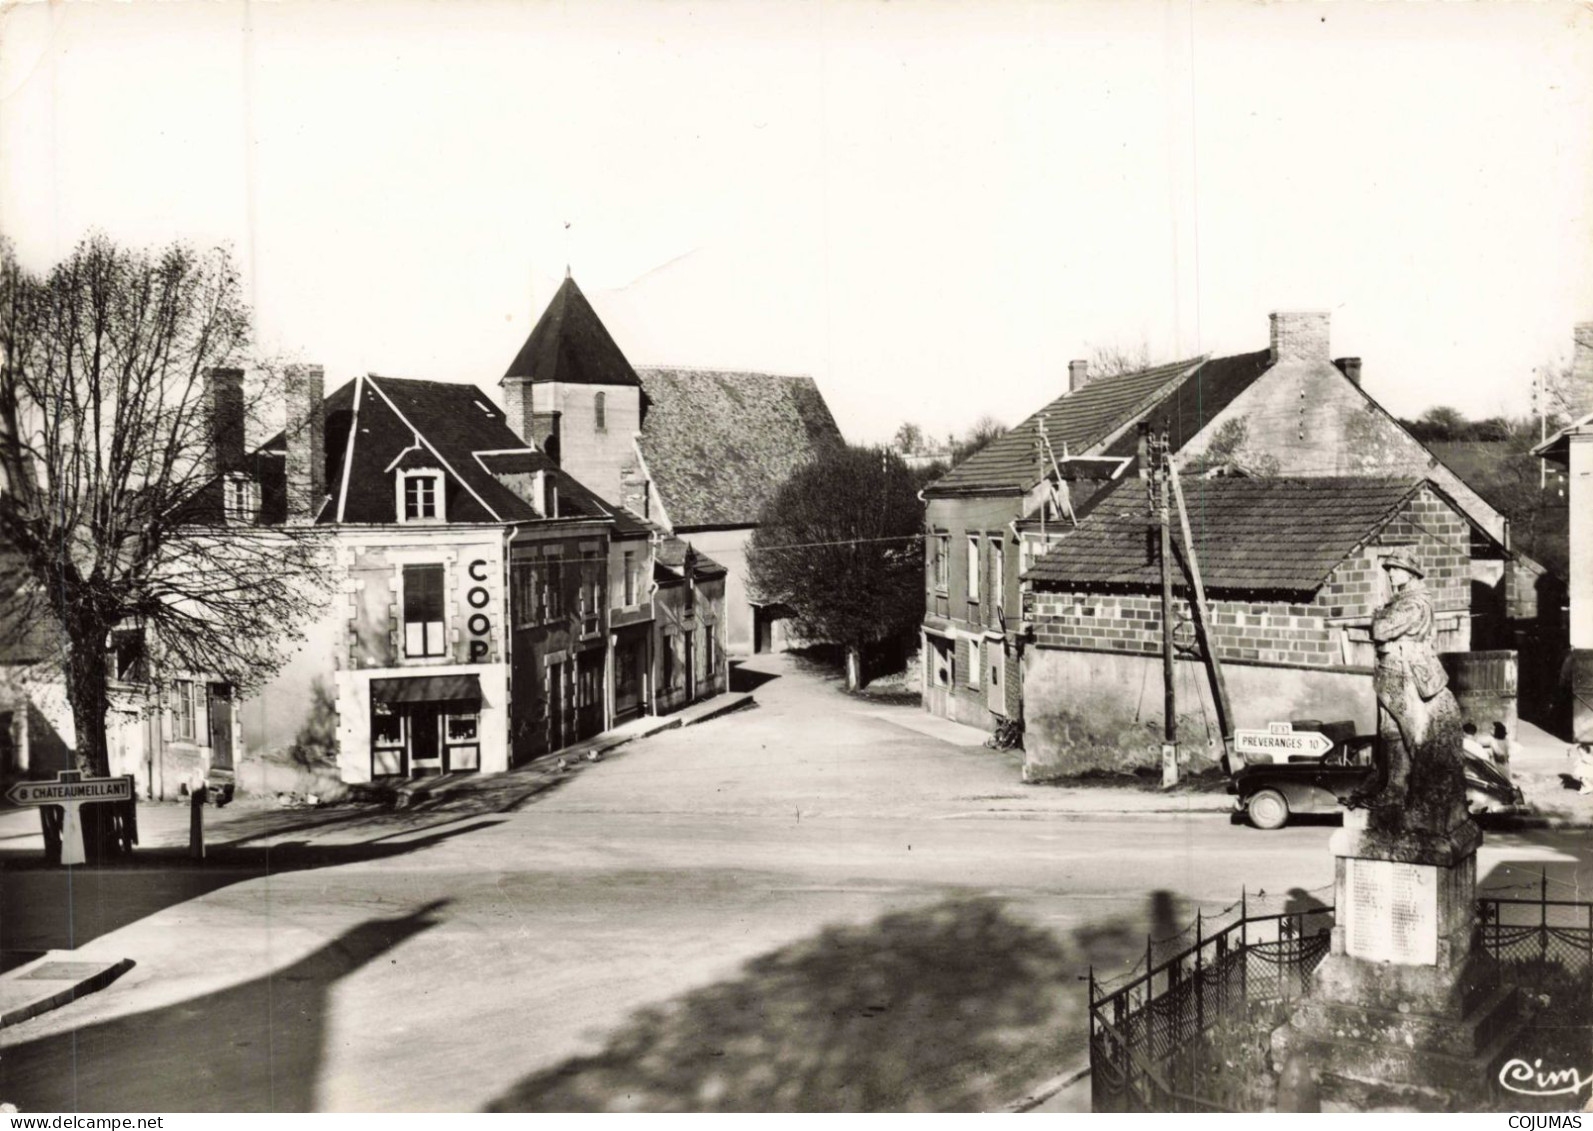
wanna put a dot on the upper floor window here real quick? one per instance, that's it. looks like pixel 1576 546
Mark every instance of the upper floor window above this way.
pixel 630 578
pixel 942 549
pixel 526 583
pixel 424 619
pixel 973 568
pixel 600 412
pixel 998 575
pixel 240 499
pixel 420 496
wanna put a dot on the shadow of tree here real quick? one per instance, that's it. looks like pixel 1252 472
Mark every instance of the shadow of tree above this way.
pixel 959 1006
pixel 252 1047
pixel 47 907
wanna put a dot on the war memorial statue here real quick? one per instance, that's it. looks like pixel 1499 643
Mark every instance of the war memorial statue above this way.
pixel 1404 1011
pixel 1420 784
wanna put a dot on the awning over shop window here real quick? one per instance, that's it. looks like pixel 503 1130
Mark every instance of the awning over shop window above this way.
pixel 427 689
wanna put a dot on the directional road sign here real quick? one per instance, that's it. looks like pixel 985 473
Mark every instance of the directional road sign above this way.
pixel 1282 741
pixel 69 790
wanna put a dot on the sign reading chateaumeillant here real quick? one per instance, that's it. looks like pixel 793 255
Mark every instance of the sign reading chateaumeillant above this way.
pixel 69 790
pixel 1393 912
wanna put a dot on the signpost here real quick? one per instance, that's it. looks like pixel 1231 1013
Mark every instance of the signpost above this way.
pixel 70 790
pixel 1280 740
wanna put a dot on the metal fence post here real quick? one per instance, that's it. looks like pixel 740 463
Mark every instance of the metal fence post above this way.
pixel 1200 980
pixel 1543 914
pixel 1244 947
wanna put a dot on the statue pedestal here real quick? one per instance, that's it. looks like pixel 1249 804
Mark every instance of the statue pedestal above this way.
pixel 1401 1013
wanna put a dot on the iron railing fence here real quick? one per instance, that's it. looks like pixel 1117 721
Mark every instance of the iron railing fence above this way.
pixel 1146 1025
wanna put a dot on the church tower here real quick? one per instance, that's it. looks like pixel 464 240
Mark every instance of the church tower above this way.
pixel 571 393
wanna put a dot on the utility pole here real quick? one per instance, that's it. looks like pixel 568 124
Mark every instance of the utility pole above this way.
pixel 1159 480
pixel 1219 685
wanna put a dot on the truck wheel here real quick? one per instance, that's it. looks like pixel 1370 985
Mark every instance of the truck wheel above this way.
pixel 1268 810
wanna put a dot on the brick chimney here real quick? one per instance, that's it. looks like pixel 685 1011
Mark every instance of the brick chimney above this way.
pixel 1351 368
pixel 224 400
pixel 305 431
pixel 517 398
pixel 1300 335
pixel 1078 375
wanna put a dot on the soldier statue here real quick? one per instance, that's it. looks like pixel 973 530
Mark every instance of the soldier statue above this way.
pixel 1420 784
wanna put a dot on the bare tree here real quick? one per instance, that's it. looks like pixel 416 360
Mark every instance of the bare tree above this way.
pixel 909 438
pixel 114 464
pixel 983 430
pixel 1111 360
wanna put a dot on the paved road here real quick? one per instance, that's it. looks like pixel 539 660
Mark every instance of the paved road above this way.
pixel 805 905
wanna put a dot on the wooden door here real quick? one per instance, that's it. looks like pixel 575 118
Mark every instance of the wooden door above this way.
pixel 220 726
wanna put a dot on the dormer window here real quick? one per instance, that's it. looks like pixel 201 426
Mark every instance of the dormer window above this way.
pixel 420 496
pixel 240 499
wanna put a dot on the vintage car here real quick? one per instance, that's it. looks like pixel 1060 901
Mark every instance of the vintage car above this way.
pixel 1269 793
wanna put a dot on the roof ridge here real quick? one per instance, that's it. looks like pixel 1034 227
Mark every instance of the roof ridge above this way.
pixel 721 370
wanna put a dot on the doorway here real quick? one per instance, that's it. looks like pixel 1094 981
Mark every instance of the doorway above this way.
pixel 220 726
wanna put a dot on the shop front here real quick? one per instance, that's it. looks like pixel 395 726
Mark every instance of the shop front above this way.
pixel 425 725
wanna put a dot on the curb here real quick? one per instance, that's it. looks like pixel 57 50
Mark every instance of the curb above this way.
pixel 1045 1091
pixel 66 995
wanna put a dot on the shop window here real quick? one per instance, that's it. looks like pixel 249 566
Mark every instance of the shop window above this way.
pixel 423 610
pixel 387 740
pixel 420 496
pixel 462 734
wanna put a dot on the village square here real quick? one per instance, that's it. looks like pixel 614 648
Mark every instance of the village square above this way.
pixel 677 695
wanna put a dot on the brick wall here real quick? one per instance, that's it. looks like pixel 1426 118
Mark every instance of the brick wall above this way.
pixel 1324 630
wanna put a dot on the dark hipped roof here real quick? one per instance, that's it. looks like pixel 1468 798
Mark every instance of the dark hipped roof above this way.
pixel 718 444
pixel 458 429
pixel 570 344
pixel 1080 419
pixel 1280 535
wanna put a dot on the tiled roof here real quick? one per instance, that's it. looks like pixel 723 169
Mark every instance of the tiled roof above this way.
pixel 1250 534
pixel 570 344
pixel 718 444
pixel 1080 419
pixel 671 555
pixel 1197 400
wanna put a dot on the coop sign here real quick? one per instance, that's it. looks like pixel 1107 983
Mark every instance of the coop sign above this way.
pixel 70 791
pixel 479 597
pixel 1281 740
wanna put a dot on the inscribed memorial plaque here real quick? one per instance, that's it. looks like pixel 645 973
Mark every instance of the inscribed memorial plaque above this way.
pixel 1393 912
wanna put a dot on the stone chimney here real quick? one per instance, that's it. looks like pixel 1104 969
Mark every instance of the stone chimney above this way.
pixel 1078 375
pixel 1300 335
pixel 1351 368
pixel 1582 355
pixel 224 400
pixel 305 432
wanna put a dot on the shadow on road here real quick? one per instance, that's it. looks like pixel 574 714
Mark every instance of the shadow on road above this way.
pixel 959 1006
pixel 253 1047
pixel 743 678
pixel 47 907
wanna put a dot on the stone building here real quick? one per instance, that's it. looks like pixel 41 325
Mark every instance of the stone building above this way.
pixel 1292 573
pixel 696 452
pixel 1288 410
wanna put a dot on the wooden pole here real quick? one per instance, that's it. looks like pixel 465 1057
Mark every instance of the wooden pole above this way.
pixel 1219 685
pixel 1169 692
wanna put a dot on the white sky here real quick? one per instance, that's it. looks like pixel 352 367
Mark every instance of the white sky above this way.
pixel 930 207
